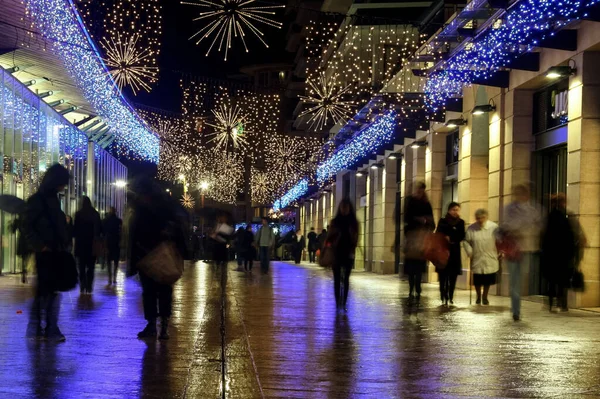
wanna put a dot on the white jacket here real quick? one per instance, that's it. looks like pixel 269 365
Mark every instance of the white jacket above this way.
pixel 480 245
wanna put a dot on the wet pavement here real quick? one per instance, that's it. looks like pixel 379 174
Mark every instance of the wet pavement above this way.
pixel 279 336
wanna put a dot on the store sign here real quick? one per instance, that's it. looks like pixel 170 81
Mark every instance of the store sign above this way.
pixel 560 103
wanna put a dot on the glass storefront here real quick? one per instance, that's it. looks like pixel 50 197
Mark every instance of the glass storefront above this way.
pixel 34 136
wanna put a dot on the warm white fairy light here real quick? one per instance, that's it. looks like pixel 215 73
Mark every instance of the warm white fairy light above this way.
pixel 127 63
pixel 187 201
pixel 230 128
pixel 326 101
pixel 232 19
pixel 261 187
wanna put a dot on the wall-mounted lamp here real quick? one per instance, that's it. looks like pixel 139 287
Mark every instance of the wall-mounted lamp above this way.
pixel 376 166
pixel 561 71
pixel 395 155
pixel 484 109
pixel 120 183
pixel 452 123
pixel 418 144
pixel 361 173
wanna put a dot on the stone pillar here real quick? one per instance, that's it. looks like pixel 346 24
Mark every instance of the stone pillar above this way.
pixel 361 189
pixel 517 152
pixel 435 169
pixel 368 245
pixel 495 160
pixel 583 170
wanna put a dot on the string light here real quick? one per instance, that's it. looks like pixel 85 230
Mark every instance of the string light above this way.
pixel 364 143
pixel 60 22
pixel 230 129
pixel 326 100
pixel 231 19
pixel 261 187
pixel 127 63
pixel 300 189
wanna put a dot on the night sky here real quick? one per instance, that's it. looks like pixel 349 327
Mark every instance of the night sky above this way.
pixel 180 56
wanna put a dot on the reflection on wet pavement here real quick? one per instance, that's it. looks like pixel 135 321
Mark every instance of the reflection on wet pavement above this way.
pixel 283 339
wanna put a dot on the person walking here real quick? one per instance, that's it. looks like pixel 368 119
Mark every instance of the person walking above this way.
pixel 453 228
pixel 343 240
pixel 155 219
pixel 519 239
pixel 480 246
pixel 87 231
pixel 298 246
pixel 265 240
pixel 560 248
pixel 45 229
pixel 313 245
pixel 112 228
pixel 418 222
pixel 248 248
pixel 240 236
pixel 221 236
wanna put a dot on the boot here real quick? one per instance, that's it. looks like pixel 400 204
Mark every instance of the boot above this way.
pixel 164 329
pixel 149 331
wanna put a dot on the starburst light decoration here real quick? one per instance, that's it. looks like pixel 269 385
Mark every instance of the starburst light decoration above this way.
pixel 232 19
pixel 187 201
pixel 128 63
pixel 261 187
pixel 326 99
pixel 230 129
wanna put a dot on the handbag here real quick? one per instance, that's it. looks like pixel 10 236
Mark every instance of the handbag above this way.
pixel 577 281
pixel 57 270
pixel 436 250
pixel 327 258
pixel 163 264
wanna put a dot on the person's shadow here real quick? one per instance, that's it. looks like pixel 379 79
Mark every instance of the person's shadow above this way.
pixel 342 358
pixel 156 378
pixel 43 369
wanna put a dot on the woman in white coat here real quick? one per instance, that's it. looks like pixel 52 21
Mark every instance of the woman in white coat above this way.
pixel 480 245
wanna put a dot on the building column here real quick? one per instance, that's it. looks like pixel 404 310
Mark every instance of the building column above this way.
pixel 91 172
pixel 361 189
pixel 435 169
pixel 583 170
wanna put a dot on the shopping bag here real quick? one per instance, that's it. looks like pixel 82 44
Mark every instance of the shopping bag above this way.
pixel 163 264
pixel 436 250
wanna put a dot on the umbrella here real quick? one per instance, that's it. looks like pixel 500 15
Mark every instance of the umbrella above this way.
pixel 11 204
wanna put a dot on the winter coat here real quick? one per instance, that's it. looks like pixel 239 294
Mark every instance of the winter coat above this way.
pixel 343 237
pixel 480 245
pixel 454 229
pixel 44 223
pixel 313 242
pixel 418 222
pixel 112 227
pixel 559 247
pixel 87 230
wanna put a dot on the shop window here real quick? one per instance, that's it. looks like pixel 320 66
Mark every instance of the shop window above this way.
pixel 550 107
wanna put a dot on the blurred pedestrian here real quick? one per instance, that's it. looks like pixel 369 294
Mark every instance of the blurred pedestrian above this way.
pixel 518 239
pixel 343 239
pixel 560 248
pixel 453 227
pixel 239 247
pixel 112 228
pixel 321 239
pixel 298 246
pixel 221 236
pixel 265 241
pixel 87 231
pixel 313 245
pixel 480 245
pixel 23 249
pixel 248 248
pixel 418 223
pixel 156 219
pixel 45 228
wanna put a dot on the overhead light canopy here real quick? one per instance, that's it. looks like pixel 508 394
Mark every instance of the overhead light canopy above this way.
pixel 452 123
pixel 483 109
pixel 561 71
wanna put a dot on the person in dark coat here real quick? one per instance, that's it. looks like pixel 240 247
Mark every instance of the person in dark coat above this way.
pixel 313 245
pixel 249 253
pixel 322 238
pixel 343 239
pixel 298 246
pixel 559 251
pixel 112 227
pixel 453 227
pixel 87 231
pixel 418 222
pixel 221 237
pixel 45 228
pixel 240 236
pixel 156 218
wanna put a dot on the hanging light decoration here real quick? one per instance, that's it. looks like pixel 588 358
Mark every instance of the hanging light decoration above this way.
pixel 187 201
pixel 326 101
pixel 230 128
pixel 127 63
pixel 232 19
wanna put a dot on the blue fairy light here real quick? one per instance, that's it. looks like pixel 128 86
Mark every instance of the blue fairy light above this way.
pixel 59 21
pixel 300 189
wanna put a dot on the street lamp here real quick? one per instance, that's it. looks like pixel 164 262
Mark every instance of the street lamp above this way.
pixel 120 183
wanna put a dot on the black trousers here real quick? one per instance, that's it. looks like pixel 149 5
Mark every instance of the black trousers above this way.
pixel 558 290
pixel 113 266
pixel 87 266
pixel 312 255
pixel 414 282
pixel 157 298
pixel 341 283
pixel 447 284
